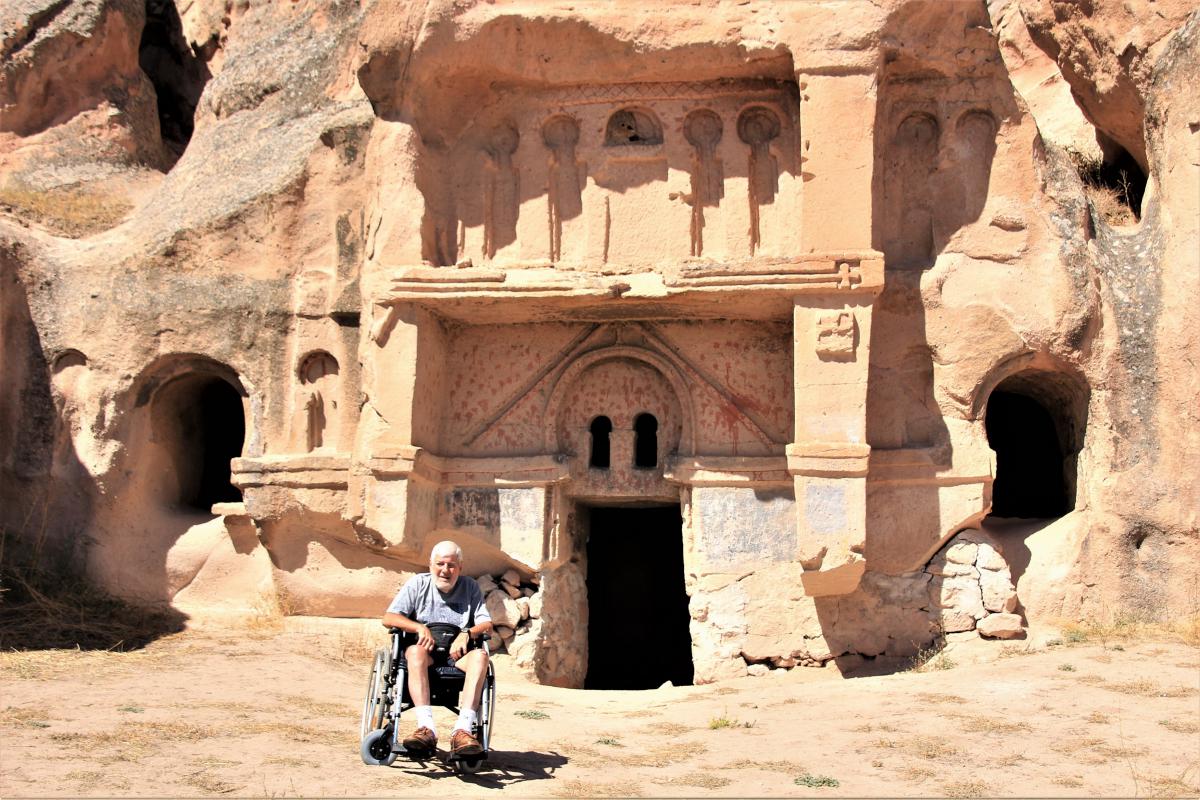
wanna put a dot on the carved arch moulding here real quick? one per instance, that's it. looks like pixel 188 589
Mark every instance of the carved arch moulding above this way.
pixel 568 377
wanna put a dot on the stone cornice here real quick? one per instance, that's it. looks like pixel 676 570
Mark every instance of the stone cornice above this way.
pixel 755 288
pixel 728 471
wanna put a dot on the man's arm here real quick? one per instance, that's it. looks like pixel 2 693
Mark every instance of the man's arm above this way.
pixel 424 638
pixel 459 646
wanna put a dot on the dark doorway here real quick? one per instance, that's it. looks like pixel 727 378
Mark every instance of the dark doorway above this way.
pixel 637 605
pixel 202 425
pixel 224 428
pixel 1030 468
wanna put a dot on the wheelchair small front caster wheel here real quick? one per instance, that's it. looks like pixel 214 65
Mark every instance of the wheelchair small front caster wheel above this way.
pixel 468 766
pixel 376 748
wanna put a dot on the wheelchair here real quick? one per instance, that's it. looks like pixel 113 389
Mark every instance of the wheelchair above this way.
pixel 387 697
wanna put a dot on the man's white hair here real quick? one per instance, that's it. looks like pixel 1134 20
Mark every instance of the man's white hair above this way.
pixel 446 547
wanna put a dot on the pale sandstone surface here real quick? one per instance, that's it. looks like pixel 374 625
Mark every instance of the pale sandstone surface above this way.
pixel 234 712
pixel 421 247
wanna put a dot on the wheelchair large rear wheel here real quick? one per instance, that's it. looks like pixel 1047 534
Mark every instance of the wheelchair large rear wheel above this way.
pixel 375 704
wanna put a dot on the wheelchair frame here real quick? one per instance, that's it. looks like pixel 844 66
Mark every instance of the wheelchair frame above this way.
pixel 387 698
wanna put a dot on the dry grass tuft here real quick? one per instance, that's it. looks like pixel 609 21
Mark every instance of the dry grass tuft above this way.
pixel 663 756
pixel 586 789
pixel 1161 786
pixel 967 789
pixel 293 703
pixel 978 723
pixel 1188 726
pixel 1112 631
pixel 132 741
pixel 931 658
pixel 766 766
pixel 917 774
pixel 1148 688
pixel 209 784
pixel 1112 195
pixel 68 211
pixel 930 697
pixel 1109 751
pixel 1096 718
pixel 24 717
pixel 1017 650
pixel 726 721
pixel 1072 745
pixel 289 731
pixel 930 748
pixel 44 611
pixel 1069 781
pixel 268 612
pixel 669 728
pixel 703 780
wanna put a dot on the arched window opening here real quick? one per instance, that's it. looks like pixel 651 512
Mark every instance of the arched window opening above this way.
pixel 317 365
pixel 636 126
pixel 67 359
pixel 601 428
pixel 1031 466
pixel 645 445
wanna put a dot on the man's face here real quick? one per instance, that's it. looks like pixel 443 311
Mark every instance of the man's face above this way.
pixel 445 568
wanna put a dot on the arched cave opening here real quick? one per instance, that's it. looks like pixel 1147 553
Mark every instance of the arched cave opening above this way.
pixel 600 428
pixel 645 448
pixel 638 620
pixel 1031 467
pixel 177 73
pixel 200 420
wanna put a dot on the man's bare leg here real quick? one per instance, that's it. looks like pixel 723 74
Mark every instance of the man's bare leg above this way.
pixel 424 738
pixel 474 664
pixel 462 739
pixel 419 661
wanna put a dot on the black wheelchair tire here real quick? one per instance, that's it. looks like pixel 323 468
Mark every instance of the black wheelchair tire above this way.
pixel 376 748
pixel 374 705
pixel 468 766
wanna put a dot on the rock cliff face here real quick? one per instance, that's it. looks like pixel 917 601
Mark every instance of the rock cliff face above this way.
pixel 836 281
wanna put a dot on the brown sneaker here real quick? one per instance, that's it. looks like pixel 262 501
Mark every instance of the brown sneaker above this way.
pixel 464 745
pixel 422 742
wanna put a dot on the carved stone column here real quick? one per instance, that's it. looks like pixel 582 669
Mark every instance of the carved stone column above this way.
pixel 390 499
pixel 828 459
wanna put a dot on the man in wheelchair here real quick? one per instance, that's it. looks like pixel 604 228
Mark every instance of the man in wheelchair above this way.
pixel 443 596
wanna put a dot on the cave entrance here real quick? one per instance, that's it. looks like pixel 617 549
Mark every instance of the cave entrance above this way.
pixel 1031 470
pixel 200 420
pixel 638 618
pixel 177 73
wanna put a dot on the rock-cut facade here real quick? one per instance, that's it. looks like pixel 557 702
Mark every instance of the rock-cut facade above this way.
pixel 786 333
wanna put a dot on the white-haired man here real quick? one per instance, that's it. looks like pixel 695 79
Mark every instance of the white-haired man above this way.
pixel 442 595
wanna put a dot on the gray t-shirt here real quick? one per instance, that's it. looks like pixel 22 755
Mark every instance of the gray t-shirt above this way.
pixel 420 600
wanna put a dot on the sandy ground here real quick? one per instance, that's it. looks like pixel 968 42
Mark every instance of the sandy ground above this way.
pixel 273 711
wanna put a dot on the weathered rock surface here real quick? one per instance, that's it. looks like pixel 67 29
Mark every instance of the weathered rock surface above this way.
pixel 1001 626
pixel 399 262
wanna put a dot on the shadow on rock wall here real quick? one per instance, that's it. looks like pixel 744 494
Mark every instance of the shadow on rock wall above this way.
pixel 47 496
